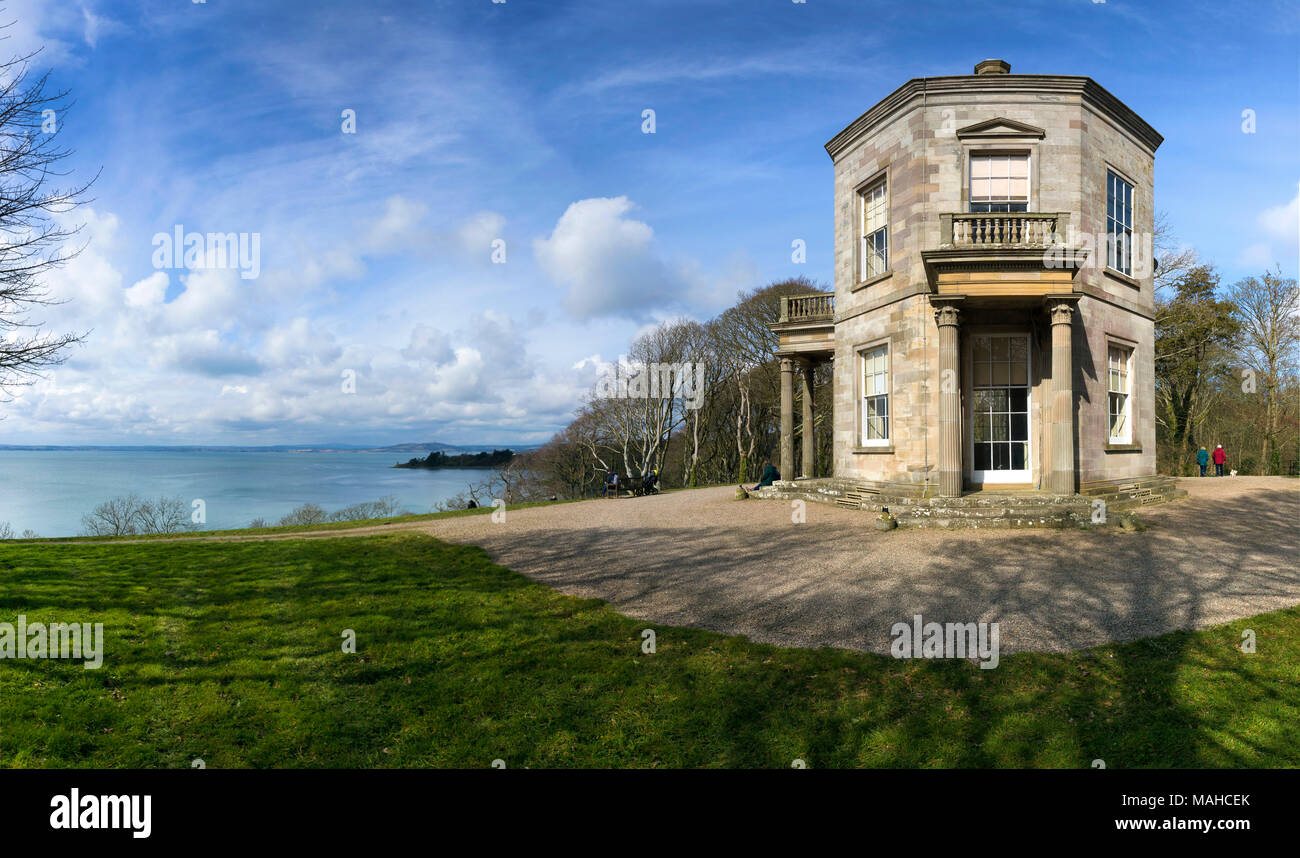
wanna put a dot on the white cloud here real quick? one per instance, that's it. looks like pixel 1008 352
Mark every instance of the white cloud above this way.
pixel 1282 223
pixel 608 263
pixel 1281 226
pixel 398 226
pixel 477 233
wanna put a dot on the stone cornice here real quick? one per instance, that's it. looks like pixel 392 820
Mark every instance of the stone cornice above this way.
pixel 1087 89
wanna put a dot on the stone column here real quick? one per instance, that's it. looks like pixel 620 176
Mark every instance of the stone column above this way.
pixel 1061 308
pixel 807 436
pixel 947 314
pixel 787 419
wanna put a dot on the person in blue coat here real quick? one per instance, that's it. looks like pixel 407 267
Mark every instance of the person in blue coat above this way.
pixel 1202 459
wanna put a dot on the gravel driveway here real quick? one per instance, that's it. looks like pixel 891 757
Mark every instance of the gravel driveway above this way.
pixel 700 558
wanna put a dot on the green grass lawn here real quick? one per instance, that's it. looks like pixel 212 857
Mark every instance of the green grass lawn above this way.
pixel 231 653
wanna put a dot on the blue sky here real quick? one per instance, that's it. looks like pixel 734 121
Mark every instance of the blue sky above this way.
pixel 522 121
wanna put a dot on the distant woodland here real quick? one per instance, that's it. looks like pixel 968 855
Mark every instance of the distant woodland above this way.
pixel 437 459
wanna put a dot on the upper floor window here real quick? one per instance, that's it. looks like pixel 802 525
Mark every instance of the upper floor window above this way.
pixel 1118 393
pixel 875 396
pixel 999 183
pixel 873 216
pixel 1119 224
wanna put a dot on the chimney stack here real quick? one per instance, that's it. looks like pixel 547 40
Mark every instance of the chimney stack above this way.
pixel 993 67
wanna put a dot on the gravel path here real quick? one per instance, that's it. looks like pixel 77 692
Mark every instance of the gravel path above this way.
pixel 700 558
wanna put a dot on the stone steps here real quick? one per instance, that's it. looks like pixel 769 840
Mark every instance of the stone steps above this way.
pixel 992 509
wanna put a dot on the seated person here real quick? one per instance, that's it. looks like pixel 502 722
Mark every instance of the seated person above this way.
pixel 770 475
pixel 611 484
pixel 649 480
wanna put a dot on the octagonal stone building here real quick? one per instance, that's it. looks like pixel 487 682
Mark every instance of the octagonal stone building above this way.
pixel 992 319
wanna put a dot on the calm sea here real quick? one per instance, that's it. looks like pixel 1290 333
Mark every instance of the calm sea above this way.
pixel 49 491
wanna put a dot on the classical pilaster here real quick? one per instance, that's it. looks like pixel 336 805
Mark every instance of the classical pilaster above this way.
pixel 948 316
pixel 1061 308
pixel 806 434
pixel 787 419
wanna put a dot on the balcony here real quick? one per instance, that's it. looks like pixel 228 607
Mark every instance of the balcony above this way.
pixel 990 230
pixel 819 307
pixel 995 256
pixel 806 325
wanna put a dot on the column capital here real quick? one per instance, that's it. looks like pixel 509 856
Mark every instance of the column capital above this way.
pixel 787 364
pixel 1061 307
pixel 947 311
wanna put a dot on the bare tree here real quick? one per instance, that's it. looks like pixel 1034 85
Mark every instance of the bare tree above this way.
pixel 1174 260
pixel 308 513
pixel 32 240
pixel 163 515
pixel 118 516
pixel 1268 310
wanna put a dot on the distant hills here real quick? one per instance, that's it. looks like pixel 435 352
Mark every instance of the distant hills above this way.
pixel 425 447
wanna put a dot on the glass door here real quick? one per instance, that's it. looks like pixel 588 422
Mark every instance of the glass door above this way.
pixel 999 434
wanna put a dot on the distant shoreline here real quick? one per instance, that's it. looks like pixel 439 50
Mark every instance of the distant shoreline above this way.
pixel 439 460
pixel 279 448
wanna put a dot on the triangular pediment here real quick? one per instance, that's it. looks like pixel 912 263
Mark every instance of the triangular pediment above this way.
pixel 1001 127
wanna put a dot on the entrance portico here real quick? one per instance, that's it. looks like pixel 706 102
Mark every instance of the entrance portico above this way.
pixel 806 329
pixel 992 381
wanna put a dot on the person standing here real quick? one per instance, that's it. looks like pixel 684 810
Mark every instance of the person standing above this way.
pixel 1219 458
pixel 1202 459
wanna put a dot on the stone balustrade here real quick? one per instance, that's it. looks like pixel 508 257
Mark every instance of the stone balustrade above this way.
pixel 1002 229
pixel 808 308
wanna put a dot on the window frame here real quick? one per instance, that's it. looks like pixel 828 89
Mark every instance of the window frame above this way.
pixel 990 154
pixel 1113 248
pixel 863 272
pixel 1128 350
pixel 863 397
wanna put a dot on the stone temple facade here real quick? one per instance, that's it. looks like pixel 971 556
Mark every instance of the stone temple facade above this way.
pixel 992 320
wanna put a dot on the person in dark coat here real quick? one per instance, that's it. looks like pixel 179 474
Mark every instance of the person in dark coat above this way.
pixel 770 475
pixel 1202 459
pixel 1219 458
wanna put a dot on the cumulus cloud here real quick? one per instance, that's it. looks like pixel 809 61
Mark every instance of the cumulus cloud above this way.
pixel 205 356
pixel 607 262
pixel 1282 222
pixel 1281 226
